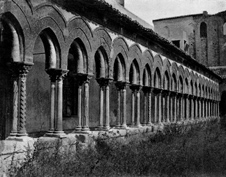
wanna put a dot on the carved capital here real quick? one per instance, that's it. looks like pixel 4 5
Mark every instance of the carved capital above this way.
pixel 60 74
pixel 121 85
pixel 165 92
pixel 135 88
pixel 157 91
pixel 103 82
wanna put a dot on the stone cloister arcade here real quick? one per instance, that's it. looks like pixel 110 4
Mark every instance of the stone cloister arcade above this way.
pixel 67 74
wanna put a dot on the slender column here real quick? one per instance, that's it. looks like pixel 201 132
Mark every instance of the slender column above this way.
pixel 118 121
pixel 133 108
pixel 192 107
pixel 101 107
pixel 196 108
pixel 52 75
pixel 124 125
pixel 160 107
pixel 206 106
pixel 187 107
pixel 107 105
pixel 182 107
pixel 218 109
pixel 208 109
pixel 203 110
pixel 168 107
pixel 15 106
pixel 171 107
pixel 59 117
pixel 23 70
pixel 145 106
pixel 86 103
pixel 149 107
pixel 156 108
pixel 101 104
pixel 79 106
pixel 138 108
pixel 13 67
pixel 175 108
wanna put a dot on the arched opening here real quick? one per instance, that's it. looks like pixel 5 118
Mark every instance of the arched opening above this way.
pixel 73 84
pixel 119 69
pixel 46 55
pixel 174 83
pixel 118 76
pixel 10 49
pixel 97 95
pixel 157 78
pixel 180 86
pixel 147 76
pixel 166 81
pixel 224 29
pixel 203 30
pixel 134 73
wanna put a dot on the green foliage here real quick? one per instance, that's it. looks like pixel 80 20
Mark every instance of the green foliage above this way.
pixel 178 151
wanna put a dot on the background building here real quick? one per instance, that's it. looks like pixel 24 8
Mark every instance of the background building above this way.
pixel 202 36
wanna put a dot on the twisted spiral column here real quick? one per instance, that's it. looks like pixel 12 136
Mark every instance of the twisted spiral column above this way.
pixel 23 71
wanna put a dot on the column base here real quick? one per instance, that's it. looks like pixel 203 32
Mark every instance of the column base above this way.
pixel 118 126
pixel 100 128
pixel 13 134
pixel 85 129
pixel 59 134
pixel 106 128
pixel 123 126
pixel 22 138
pixel 22 134
pixel 138 126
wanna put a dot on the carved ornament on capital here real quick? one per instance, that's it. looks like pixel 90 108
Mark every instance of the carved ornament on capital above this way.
pixel 103 82
pixel 135 88
pixel 121 85
pixel 157 91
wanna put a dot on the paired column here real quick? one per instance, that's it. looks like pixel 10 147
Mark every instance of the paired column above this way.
pixel 187 108
pixel 104 97
pixel 60 74
pixel 158 105
pixel 166 109
pixel 19 73
pixel 24 68
pixel 136 99
pixel 83 120
pixel 121 114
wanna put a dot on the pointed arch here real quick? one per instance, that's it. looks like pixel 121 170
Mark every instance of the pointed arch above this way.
pixel 134 73
pixel 12 39
pixel 101 63
pixel 147 76
pixel 119 68
pixel 157 78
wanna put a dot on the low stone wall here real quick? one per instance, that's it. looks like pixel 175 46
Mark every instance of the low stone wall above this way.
pixel 14 151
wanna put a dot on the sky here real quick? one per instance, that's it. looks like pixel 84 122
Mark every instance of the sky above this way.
pixel 156 9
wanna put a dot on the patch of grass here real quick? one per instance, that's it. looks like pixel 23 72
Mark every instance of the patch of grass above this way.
pixel 178 151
